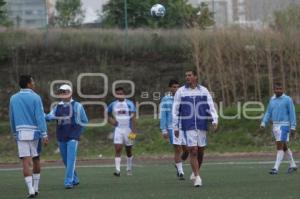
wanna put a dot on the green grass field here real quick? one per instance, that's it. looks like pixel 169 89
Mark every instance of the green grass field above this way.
pixel 221 180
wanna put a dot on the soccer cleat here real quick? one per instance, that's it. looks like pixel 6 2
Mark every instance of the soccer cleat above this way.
pixel 129 173
pixel 75 183
pixel 69 186
pixel 273 171
pixel 197 182
pixel 117 174
pixel 181 177
pixel 36 193
pixel 31 196
pixel 292 169
pixel 192 177
pixel 177 173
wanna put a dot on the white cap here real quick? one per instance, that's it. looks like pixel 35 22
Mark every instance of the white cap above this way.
pixel 65 87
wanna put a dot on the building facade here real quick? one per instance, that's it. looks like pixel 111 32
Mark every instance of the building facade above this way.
pixel 28 13
pixel 255 13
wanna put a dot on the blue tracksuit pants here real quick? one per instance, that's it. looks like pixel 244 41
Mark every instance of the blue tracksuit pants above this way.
pixel 68 152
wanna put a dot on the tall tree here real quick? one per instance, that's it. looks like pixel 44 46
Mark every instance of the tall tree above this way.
pixel 4 21
pixel 178 14
pixel 69 13
pixel 287 20
pixel 204 17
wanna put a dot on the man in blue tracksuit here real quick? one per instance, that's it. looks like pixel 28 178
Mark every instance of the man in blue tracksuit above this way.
pixel 193 109
pixel 281 111
pixel 71 119
pixel 28 125
pixel 180 150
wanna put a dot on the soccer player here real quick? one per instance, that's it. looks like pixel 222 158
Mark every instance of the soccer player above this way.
pixel 193 109
pixel 29 128
pixel 71 119
pixel 180 150
pixel 121 114
pixel 281 111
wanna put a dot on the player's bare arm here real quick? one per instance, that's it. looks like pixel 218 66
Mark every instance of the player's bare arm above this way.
pixel 112 120
pixel 45 141
pixel 293 134
pixel 133 123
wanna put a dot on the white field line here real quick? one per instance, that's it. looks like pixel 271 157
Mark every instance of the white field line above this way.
pixel 62 167
pixel 245 163
pixel 112 166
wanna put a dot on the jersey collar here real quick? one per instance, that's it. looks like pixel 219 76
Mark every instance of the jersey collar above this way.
pixel 187 86
pixel 62 102
pixel 26 90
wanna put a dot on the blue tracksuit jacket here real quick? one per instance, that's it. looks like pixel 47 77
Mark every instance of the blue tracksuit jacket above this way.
pixel 193 109
pixel 26 115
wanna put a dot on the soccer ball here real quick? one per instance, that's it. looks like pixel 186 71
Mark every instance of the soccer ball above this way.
pixel 158 10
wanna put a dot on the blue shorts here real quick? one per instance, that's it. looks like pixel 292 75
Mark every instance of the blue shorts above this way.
pixel 281 133
pixel 39 147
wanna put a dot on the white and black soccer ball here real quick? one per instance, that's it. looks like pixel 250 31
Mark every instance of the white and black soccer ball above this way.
pixel 158 10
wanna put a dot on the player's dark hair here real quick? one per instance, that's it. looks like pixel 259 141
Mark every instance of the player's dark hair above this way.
pixel 119 89
pixel 277 84
pixel 172 82
pixel 24 80
pixel 193 72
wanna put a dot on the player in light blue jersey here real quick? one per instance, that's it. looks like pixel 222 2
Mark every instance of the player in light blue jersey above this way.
pixel 281 111
pixel 121 114
pixel 180 150
pixel 29 128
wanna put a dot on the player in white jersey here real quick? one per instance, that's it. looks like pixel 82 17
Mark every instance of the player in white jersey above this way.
pixel 121 114
pixel 193 110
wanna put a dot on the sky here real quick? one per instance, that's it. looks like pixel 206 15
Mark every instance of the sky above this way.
pixel 91 9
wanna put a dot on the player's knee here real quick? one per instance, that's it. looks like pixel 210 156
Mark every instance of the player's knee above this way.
pixel 285 147
pixel 36 159
pixel 184 155
pixel 280 146
pixel 129 154
pixel 177 148
pixel 118 152
pixel 201 149
pixel 193 153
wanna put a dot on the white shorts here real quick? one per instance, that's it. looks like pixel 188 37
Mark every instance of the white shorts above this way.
pixel 174 140
pixel 196 138
pixel 121 136
pixel 281 133
pixel 28 148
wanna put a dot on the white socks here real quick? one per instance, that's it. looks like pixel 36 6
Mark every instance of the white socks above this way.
pixel 36 180
pixel 118 164
pixel 279 159
pixel 291 159
pixel 179 167
pixel 129 163
pixel 28 181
